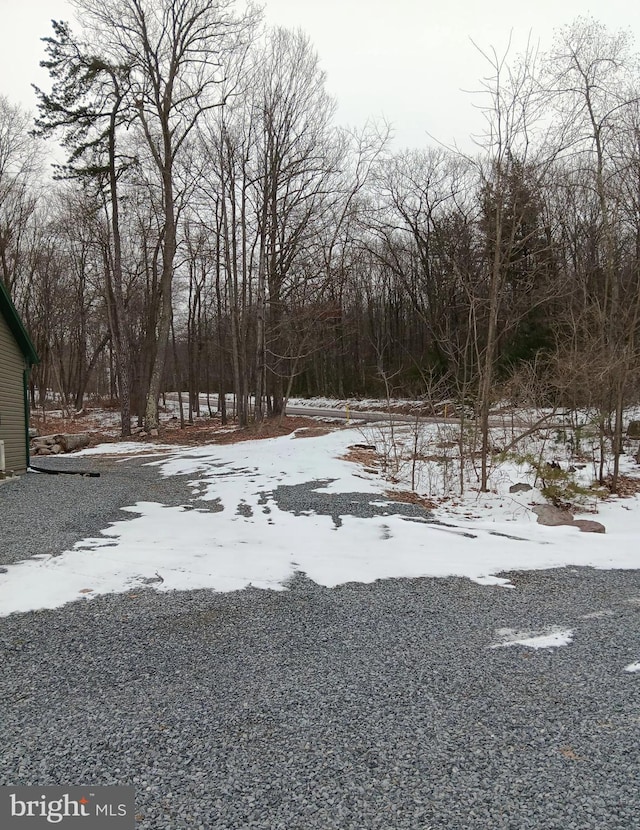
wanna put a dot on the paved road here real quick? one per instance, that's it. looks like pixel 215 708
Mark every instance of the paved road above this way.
pixel 343 414
pixel 372 416
pixel 355 415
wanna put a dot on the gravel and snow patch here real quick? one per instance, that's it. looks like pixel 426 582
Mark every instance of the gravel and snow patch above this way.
pixel 549 638
pixel 256 513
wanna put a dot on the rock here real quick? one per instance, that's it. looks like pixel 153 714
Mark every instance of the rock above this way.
pixel 633 430
pixel 552 516
pixel 43 441
pixel 589 526
pixel 142 434
pixel 137 430
pixel 71 441
pixel 43 451
pixel 33 432
pixel 520 488
pixel 153 433
pixel 56 449
pixel 46 440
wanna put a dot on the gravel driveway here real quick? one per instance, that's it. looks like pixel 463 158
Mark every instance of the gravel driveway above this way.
pixel 42 513
pixel 363 706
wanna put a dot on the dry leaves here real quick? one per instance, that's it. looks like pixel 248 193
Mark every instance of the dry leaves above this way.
pixel 409 497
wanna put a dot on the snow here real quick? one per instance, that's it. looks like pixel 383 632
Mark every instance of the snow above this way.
pixel 127 448
pixel 190 546
pixel 550 638
pixel 633 667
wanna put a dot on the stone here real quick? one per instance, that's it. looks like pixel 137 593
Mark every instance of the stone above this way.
pixel 552 516
pixel 43 451
pixel 153 433
pixel 633 430
pixel 45 441
pixel 521 487
pixel 555 517
pixel 589 526
pixel 56 449
pixel 74 441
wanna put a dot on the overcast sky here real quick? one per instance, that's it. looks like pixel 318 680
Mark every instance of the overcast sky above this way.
pixel 407 61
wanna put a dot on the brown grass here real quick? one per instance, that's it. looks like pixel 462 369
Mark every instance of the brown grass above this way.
pixel 203 431
pixel 627 486
pixel 409 497
pixel 312 432
pixel 358 455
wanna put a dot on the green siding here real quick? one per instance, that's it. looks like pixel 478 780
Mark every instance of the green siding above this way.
pixel 12 406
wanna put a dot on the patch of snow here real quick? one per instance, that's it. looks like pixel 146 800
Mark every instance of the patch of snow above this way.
pixel 493 580
pixel 550 638
pixel 632 667
pixel 128 448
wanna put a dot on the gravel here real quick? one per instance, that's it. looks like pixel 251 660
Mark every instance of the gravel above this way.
pixel 42 514
pixel 305 498
pixel 358 707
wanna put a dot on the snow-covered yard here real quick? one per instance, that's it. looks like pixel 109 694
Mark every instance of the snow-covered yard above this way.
pixel 249 539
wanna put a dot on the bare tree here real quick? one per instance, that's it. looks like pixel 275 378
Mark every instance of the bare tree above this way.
pixel 513 152
pixel 19 173
pixel 177 52
pixel 593 76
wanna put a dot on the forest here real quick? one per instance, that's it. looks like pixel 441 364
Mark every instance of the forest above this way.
pixel 210 228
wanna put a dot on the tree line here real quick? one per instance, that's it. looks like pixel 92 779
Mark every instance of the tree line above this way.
pixel 213 230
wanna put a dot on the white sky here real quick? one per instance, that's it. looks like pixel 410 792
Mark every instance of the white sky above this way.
pixel 406 61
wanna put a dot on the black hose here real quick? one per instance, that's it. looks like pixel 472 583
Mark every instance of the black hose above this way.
pixel 86 473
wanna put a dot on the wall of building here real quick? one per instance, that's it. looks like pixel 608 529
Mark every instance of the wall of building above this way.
pixel 12 418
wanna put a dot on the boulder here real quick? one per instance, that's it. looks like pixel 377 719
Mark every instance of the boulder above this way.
pixel 552 516
pixel 74 441
pixel 555 517
pixel 46 441
pixel 520 488
pixel 59 443
pixel 589 526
